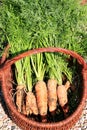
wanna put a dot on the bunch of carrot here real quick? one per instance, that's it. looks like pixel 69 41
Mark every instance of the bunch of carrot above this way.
pixel 33 24
pixel 46 98
pixel 48 93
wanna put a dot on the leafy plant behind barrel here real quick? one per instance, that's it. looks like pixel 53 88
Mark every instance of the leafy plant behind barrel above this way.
pixel 31 24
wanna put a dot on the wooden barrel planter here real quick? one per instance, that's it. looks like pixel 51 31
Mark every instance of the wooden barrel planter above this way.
pixel 22 121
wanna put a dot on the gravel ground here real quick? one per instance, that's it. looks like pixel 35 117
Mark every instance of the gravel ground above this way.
pixel 7 124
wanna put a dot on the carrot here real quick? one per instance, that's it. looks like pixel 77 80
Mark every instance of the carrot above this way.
pixel 63 98
pixel 31 105
pixel 52 94
pixel 67 85
pixel 20 97
pixel 62 95
pixel 41 96
pixel 24 109
pixel 40 87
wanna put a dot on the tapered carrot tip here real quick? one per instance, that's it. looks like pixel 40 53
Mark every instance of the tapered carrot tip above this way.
pixel 53 112
pixel 65 109
pixel 44 119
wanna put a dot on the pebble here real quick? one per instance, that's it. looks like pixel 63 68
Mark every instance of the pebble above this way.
pixel 7 124
pixel 1 123
pixel 12 127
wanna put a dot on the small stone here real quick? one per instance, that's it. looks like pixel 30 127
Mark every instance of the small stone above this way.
pixel 5 128
pixel 1 124
pixel 12 127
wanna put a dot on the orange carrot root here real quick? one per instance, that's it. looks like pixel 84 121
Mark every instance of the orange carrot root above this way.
pixel 31 105
pixel 41 96
pixel 20 97
pixel 62 95
pixel 63 99
pixel 52 94
pixel 67 85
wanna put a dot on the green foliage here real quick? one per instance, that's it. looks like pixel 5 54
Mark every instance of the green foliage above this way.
pixel 27 24
pixel 62 22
